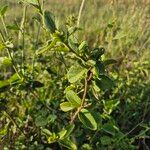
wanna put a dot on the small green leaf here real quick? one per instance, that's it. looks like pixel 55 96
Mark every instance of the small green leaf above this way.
pixel 69 129
pixel 3 130
pixel 68 144
pixel 3 10
pixel 110 105
pixel 2 46
pixel 106 140
pixel 87 119
pixel 61 47
pixel 13 27
pixel 100 68
pixel 75 73
pixel 5 62
pixel 120 35
pixel 5 84
pixel 13 78
pixel 49 22
pixel 104 82
pixel 40 121
pixel 65 133
pixel 73 98
pixel 110 128
pixel 83 46
pixel 61 134
pixel 66 106
pixel 46 132
pixel 53 138
pixel 49 45
pixel 97 53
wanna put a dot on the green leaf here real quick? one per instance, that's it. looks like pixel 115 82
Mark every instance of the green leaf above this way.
pixel 2 46
pixel 5 84
pixel 98 118
pixel 5 62
pixel 87 119
pixel 69 129
pixel 75 73
pixel 66 106
pixel 109 61
pixel 61 134
pixel 72 43
pixel 110 128
pixel 83 46
pixel 46 132
pixel 65 133
pixel 106 140
pixel 61 47
pixel 73 98
pixel 100 68
pixel 3 130
pixel 110 105
pixel 120 35
pixel 97 53
pixel 3 10
pixel 13 27
pixel 49 22
pixel 49 45
pixel 13 78
pixel 40 121
pixel 104 82
pixel 68 144
pixel 53 138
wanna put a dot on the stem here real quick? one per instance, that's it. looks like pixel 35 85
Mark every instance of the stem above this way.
pixel 41 7
pixel 80 12
pixel 129 132
pixel 4 25
pixel 63 61
pixel 22 32
pixel 86 85
pixel 13 63
pixel 2 36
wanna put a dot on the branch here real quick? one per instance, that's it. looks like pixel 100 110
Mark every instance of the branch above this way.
pixel 86 85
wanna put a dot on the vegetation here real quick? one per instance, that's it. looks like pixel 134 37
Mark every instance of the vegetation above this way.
pixel 73 79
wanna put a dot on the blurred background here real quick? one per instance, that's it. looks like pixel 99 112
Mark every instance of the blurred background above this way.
pixel 121 26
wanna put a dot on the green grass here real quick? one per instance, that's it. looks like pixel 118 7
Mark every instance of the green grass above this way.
pixel 123 29
pixel 130 31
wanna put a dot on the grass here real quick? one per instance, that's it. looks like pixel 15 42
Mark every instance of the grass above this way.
pixel 129 21
pixel 121 27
